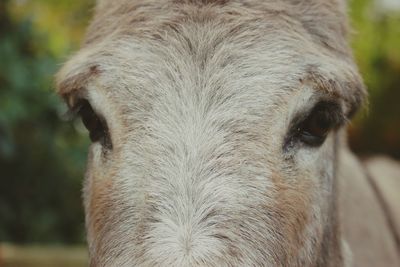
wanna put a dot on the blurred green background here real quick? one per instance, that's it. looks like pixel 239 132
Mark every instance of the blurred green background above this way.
pixel 42 158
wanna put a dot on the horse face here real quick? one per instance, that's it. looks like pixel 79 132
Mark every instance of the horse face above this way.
pixel 214 137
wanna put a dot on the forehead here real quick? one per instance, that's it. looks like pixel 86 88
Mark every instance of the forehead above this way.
pixel 208 48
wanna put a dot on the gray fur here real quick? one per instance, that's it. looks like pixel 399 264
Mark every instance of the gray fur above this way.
pixel 198 97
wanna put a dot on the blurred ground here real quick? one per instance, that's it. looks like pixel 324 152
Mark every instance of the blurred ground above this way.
pixel 42 159
pixel 42 256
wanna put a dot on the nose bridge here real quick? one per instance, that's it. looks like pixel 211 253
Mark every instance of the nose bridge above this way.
pixel 188 183
pixel 187 151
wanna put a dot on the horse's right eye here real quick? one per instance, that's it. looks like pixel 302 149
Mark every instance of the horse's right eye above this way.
pixel 95 124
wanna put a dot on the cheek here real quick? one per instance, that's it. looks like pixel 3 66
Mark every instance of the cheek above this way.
pixel 318 164
pixel 98 196
pixel 98 203
pixel 293 202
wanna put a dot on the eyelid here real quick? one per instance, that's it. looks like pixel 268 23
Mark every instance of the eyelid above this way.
pixel 333 110
pixel 330 107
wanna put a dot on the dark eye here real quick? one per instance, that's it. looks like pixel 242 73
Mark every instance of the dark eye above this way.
pixel 315 128
pixel 311 130
pixel 96 125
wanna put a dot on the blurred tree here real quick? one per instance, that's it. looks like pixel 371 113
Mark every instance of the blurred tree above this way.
pixel 376 44
pixel 41 159
pixel 63 21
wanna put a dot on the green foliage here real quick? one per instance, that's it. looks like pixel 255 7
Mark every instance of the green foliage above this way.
pixel 377 50
pixel 41 159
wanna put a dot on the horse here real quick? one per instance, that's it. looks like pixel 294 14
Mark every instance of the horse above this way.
pixel 218 132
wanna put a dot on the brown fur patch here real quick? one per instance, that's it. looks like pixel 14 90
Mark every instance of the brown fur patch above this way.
pixel 100 203
pixel 293 207
pixel 77 81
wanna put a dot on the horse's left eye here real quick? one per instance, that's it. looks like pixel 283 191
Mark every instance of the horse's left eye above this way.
pixel 315 128
pixel 311 130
